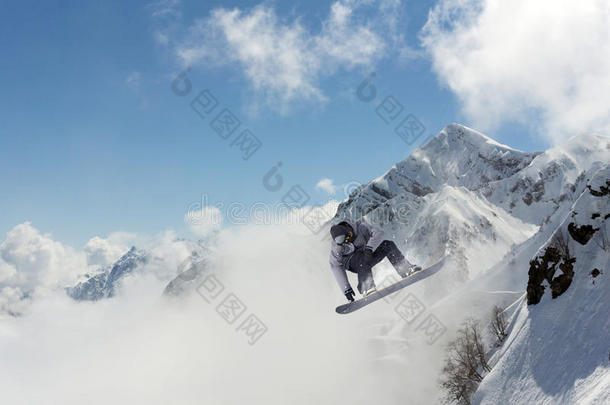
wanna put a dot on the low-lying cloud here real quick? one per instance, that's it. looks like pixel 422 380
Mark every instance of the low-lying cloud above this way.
pixel 139 347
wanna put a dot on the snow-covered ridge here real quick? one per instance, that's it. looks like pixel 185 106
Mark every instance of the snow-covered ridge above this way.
pixel 458 156
pixel 462 191
pixel 105 283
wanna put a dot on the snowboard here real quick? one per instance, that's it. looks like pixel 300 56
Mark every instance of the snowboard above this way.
pixel 384 292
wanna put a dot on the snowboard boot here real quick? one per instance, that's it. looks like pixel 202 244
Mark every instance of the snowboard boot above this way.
pixel 405 269
pixel 369 291
pixel 413 269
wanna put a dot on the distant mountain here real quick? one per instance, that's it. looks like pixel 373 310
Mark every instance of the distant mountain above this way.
pixel 190 273
pixel 105 283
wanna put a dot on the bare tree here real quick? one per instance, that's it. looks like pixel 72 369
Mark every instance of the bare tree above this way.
pixel 475 339
pixel 457 386
pixel 465 364
pixel 498 324
pixel 560 241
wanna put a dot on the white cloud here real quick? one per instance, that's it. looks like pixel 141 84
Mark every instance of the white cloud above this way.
pixel 161 37
pixel 203 220
pixel 282 59
pixel 7 271
pixel 105 251
pixel 11 301
pixel 517 60
pixel 327 185
pixel 165 16
pixel 165 8
pixel 133 81
pixel 37 259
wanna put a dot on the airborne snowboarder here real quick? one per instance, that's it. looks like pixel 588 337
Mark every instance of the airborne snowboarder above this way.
pixel 357 247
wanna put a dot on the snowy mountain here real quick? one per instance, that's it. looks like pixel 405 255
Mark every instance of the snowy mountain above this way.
pixel 105 283
pixel 494 210
pixel 557 348
pixel 463 191
pixel 457 157
pixel 182 276
pixel 190 271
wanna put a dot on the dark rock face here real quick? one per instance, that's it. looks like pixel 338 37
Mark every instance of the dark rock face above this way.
pixel 560 284
pixel 581 234
pixel 382 192
pixel 538 272
pixel 603 190
pixel 594 273
pixel 544 268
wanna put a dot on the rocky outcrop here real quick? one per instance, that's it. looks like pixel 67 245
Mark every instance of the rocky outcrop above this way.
pixel 603 190
pixel 581 234
pixel 544 268
pixel 582 224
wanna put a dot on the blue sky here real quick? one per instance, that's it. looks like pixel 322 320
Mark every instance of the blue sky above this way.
pixel 94 140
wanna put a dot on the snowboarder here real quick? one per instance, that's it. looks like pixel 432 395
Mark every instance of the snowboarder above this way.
pixel 357 247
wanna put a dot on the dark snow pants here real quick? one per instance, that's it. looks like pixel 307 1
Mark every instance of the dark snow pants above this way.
pixel 359 264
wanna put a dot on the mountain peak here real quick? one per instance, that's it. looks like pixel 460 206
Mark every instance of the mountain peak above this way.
pixel 458 156
pixel 462 134
pixel 103 284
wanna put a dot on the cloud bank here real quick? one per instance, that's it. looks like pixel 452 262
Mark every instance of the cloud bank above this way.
pixel 33 264
pixel 545 62
pixel 139 347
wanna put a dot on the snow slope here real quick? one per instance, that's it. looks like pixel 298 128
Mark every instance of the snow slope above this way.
pixel 491 216
pixel 557 350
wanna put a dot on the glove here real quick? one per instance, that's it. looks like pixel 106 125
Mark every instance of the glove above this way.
pixel 349 294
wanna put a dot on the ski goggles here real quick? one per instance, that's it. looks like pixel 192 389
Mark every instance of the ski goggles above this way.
pixel 342 239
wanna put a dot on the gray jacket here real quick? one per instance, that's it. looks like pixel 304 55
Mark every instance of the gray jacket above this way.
pixel 365 235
